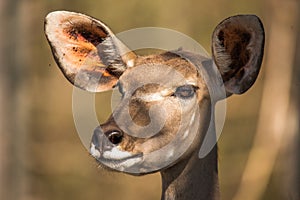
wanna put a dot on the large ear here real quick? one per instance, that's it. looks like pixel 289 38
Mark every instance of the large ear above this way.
pixel 238 47
pixel 86 50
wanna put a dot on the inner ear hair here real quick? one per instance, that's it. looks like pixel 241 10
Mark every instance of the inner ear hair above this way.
pixel 238 45
pixel 233 42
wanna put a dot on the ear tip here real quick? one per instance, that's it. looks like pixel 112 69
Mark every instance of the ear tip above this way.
pixel 53 18
pixel 238 48
pixel 256 19
pixel 58 16
pixel 53 15
pixel 58 13
pixel 251 19
pixel 249 22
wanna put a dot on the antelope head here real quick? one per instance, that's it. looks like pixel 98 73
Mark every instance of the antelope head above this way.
pixel 167 98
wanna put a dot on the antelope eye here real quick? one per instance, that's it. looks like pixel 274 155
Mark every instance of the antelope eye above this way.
pixel 115 137
pixel 185 91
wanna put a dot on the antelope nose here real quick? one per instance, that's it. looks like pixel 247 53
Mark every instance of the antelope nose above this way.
pixel 103 139
pixel 96 143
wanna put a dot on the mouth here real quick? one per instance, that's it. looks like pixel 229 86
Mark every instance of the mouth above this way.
pixel 117 159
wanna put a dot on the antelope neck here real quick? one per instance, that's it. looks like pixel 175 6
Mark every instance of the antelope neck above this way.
pixel 192 178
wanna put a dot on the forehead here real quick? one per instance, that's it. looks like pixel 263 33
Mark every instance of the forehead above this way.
pixel 171 60
pixel 166 68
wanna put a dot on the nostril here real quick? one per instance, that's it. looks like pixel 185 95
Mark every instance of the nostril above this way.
pixel 115 137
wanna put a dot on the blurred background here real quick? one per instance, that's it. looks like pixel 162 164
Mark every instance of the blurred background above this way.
pixel 41 155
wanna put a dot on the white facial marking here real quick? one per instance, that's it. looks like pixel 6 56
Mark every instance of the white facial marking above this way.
pixel 120 160
pixel 171 153
pixel 94 152
pixel 166 92
pixel 115 154
pixel 130 63
pixel 186 133
pixel 190 82
pixel 152 97
pixel 156 96
pixel 131 162
pixel 192 119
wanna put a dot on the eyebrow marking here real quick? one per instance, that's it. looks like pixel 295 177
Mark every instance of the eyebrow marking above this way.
pixel 156 96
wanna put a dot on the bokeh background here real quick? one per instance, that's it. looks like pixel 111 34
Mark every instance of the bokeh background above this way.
pixel 41 155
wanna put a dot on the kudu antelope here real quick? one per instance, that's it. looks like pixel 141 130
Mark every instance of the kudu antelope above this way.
pixel 178 88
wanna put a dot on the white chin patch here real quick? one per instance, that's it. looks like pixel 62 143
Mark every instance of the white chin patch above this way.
pixel 115 154
pixel 116 159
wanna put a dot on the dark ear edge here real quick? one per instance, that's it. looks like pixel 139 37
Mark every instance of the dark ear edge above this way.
pixel 238 48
